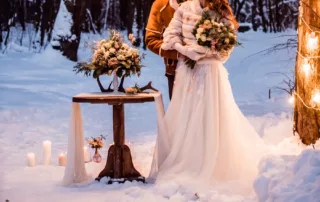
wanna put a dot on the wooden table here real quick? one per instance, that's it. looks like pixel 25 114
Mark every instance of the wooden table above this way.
pixel 119 166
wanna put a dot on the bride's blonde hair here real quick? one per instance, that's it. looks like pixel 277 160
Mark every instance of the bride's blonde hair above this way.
pixel 223 8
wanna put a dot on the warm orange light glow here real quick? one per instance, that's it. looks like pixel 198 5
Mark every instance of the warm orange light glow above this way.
pixel 316 97
pixel 306 67
pixel 291 100
pixel 312 41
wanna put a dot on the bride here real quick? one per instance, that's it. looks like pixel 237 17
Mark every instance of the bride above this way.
pixel 205 139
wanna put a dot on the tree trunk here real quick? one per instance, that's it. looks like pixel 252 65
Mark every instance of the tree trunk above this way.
pixel 1 36
pixel 263 18
pixel 278 18
pixel 38 15
pixel 307 121
pixel 70 46
pixel 253 15
pixel 271 20
pixel 240 6
pixel 21 14
pixel 145 15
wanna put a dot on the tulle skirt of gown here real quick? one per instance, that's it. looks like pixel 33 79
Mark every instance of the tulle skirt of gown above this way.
pixel 204 138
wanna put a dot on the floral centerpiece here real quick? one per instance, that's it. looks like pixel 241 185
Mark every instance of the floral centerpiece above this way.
pixel 96 143
pixel 112 56
pixel 219 37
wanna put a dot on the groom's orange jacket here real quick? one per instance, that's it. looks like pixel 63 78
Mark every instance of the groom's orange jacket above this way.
pixel 160 16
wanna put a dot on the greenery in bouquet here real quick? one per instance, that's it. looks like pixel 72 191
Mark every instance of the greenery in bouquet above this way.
pixel 96 143
pixel 112 55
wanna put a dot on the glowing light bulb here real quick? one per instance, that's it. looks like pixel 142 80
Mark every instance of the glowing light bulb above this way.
pixel 316 97
pixel 313 35
pixel 306 67
pixel 291 99
pixel 312 41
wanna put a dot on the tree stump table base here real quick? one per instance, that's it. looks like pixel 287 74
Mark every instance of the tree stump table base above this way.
pixel 119 167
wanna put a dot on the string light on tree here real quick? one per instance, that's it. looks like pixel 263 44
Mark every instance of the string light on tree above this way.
pixel 312 43
pixel 291 99
pixel 306 67
pixel 316 97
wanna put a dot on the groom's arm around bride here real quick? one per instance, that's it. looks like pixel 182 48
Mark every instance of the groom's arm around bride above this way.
pixel 160 16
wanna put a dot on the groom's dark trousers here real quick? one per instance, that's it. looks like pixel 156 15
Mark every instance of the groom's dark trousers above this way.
pixel 160 16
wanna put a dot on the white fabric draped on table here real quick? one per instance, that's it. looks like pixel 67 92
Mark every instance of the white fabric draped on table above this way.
pixel 75 171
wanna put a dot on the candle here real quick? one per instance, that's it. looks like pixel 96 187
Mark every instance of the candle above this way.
pixel 46 152
pixel 86 154
pixel 31 159
pixel 62 160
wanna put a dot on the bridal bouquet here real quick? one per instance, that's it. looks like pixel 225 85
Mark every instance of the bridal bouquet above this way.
pixel 218 37
pixel 112 55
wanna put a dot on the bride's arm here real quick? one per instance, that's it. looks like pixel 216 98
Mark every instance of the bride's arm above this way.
pixel 172 34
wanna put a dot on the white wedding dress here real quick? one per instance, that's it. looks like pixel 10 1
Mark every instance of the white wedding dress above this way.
pixel 203 138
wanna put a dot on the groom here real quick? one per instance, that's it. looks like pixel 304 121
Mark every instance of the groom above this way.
pixel 160 16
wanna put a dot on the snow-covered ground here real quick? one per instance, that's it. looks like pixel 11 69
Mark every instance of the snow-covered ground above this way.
pixel 35 102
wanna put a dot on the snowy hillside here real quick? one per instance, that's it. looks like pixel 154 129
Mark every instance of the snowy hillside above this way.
pixel 36 91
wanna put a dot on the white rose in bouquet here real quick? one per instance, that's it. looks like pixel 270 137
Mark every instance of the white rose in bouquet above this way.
pixel 121 57
pixel 106 54
pixel 206 22
pixel 102 50
pixel 203 38
pixel 231 34
pixel 112 50
pixel 199 30
pixel 108 45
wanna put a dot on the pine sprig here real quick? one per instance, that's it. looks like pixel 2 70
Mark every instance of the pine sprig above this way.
pixel 82 67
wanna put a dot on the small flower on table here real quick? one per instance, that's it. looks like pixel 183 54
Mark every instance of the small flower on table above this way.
pixel 96 143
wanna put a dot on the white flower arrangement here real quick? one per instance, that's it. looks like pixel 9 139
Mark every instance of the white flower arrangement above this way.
pixel 112 55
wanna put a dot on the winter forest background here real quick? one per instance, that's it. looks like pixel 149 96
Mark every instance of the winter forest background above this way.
pixel 32 24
